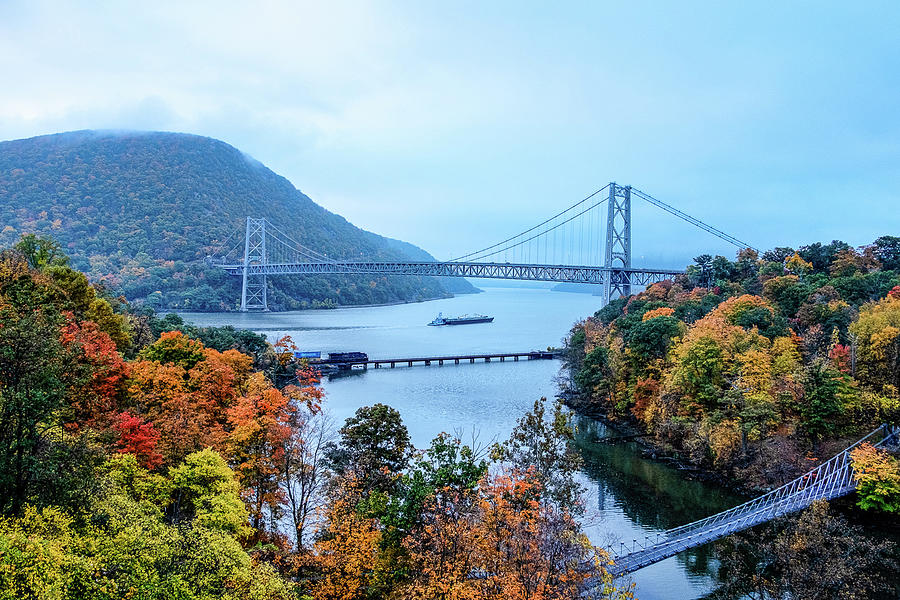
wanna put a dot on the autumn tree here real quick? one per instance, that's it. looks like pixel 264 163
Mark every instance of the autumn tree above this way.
pixel 877 476
pixel 545 444
pixel 260 427
pixel 347 548
pixel 878 338
pixel 374 447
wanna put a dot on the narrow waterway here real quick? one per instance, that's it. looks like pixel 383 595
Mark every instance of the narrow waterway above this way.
pixel 628 496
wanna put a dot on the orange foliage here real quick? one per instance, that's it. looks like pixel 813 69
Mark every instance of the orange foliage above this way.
pixel 346 553
pixel 664 311
pixel 519 546
pixel 260 425
pixel 645 391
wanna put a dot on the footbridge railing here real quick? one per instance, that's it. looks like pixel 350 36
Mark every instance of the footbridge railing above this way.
pixel 831 479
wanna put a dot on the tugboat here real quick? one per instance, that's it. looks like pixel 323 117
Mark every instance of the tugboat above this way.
pixel 461 320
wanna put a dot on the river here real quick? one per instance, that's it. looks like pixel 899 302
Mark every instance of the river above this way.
pixel 628 496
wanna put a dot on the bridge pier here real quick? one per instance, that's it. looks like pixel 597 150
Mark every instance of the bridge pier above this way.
pixel 456 361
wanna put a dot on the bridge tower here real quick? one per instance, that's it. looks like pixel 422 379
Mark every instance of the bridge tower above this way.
pixel 253 286
pixel 618 242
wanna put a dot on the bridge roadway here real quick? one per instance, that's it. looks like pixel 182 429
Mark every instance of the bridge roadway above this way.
pixel 521 271
pixel 379 363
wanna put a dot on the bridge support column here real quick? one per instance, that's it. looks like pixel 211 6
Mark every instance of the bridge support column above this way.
pixel 618 243
pixel 253 286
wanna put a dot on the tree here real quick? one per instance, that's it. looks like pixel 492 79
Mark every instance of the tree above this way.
pixel 877 476
pixel 205 491
pixel 95 403
pixel 35 372
pixel 260 425
pixel 447 468
pixel 887 250
pixel 138 438
pixel 826 392
pixel 650 339
pixel 546 445
pixel 878 337
pixel 41 252
pixel 374 448
pixel 817 555
pixel 175 348
pixel 346 550
pixel 594 375
pixel 515 544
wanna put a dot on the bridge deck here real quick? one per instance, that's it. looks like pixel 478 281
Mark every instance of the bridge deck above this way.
pixel 485 270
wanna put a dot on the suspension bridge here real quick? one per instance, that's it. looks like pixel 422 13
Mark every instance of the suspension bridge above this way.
pixel 568 247
pixel 831 479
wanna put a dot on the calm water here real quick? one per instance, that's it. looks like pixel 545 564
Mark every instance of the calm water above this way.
pixel 628 496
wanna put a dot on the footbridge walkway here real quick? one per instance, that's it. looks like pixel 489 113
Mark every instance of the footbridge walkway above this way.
pixel 831 479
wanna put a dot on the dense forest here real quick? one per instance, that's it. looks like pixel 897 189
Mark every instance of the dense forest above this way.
pixel 758 368
pixel 141 457
pixel 139 212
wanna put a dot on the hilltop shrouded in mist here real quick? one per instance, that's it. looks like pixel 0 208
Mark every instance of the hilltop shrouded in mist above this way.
pixel 140 211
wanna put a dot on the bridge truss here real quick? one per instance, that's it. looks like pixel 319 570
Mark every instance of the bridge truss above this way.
pixel 566 248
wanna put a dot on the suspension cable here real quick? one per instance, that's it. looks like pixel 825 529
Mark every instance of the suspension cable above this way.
pixel 529 230
pixel 696 222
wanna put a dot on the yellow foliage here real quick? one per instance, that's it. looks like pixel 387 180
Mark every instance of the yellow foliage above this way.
pixel 795 264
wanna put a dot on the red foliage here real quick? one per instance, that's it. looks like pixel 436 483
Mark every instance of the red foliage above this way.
pixel 96 401
pixel 139 438
pixel 895 292
pixel 839 355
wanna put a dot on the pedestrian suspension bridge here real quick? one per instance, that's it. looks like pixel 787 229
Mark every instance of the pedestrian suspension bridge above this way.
pixel 568 247
pixel 832 479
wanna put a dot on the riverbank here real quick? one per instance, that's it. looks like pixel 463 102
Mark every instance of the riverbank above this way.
pixel 653 451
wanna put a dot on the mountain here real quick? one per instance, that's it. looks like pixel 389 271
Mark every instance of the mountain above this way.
pixel 454 285
pixel 140 212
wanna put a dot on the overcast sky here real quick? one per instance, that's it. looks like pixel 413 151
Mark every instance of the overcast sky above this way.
pixel 453 124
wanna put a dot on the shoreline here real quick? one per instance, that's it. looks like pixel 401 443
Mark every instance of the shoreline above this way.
pixel 650 451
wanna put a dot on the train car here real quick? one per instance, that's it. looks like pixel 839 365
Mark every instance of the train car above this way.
pixel 307 355
pixel 348 357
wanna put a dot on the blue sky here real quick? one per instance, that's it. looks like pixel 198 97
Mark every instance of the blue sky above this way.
pixel 454 124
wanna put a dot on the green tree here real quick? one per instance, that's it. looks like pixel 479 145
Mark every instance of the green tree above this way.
pixel 546 443
pixel 650 339
pixel 826 390
pixel 374 448
pixel 41 252
pixel 205 491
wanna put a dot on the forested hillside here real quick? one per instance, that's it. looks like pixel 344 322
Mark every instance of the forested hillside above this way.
pixel 139 212
pixel 755 368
